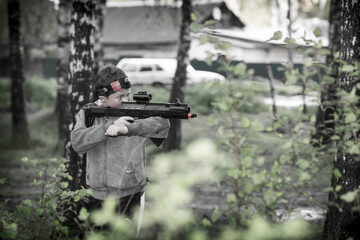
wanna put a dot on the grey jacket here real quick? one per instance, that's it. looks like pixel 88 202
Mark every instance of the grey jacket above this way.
pixel 116 165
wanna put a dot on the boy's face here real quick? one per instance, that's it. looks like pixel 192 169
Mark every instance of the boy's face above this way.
pixel 114 100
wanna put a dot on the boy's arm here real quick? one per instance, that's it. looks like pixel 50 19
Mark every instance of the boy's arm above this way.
pixel 152 127
pixel 83 138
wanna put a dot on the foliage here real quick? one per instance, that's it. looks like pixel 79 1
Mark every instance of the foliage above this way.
pixel 39 93
pixel 261 164
pixel 168 214
pixel 38 24
pixel 45 218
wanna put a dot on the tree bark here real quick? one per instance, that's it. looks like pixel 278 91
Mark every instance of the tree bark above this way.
pixel 325 114
pixel 178 88
pixel 100 11
pixel 63 20
pixel 343 218
pixel 80 90
pixel 20 131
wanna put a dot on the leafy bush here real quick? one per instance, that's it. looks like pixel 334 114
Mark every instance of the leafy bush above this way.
pixel 44 218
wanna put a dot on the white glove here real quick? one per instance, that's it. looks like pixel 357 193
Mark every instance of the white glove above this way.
pixel 124 121
pixel 116 130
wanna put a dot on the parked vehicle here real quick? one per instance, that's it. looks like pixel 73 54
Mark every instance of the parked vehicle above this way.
pixel 161 71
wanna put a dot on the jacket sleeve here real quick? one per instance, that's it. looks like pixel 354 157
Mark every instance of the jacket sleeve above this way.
pixel 83 138
pixel 152 127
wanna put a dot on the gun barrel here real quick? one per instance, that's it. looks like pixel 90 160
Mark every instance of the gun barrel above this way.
pixel 140 110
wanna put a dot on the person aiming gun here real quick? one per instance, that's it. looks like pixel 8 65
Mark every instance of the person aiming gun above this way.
pixel 115 146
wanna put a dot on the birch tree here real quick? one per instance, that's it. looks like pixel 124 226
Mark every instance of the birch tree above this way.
pixel 63 20
pixel 20 131
pixel 100 11
pixel 178 88
pixel 343 218
pixel 80 89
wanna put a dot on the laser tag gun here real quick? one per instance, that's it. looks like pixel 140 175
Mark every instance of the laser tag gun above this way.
pixel 141 108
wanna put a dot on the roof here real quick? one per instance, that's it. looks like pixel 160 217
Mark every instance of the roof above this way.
pixel 137 24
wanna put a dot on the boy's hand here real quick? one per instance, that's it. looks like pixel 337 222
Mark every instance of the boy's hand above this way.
pixel 123 121
pixel 116 130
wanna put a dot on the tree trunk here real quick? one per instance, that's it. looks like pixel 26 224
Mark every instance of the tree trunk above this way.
pixel 100 11
pixel 178 88
pixel 324 118
pixel 63 20
pixel 343 219
pixel 80 79
pixel 20 131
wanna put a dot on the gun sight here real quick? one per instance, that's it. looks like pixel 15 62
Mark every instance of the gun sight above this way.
pixel 142 97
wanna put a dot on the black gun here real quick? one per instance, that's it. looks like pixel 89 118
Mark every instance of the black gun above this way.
pixel 141 108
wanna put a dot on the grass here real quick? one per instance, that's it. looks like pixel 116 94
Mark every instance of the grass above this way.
pixel 42 125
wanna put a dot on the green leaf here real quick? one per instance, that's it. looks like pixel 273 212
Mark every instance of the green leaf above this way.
pixel 338 188
pixel 304 176
pixel 337 173
pixel 260 161
pixel 246 162
pixel 257 125
pixel 193 17
pixel 349 196
pixel 317 32
pixel 196 27
pixel 64 184
pixel 277 36
pixel 269 197
pixel 224 45
pixel 84 214
pixel 216 214
pixel 245 122
pixel 206 223
pixel 313 118
pixel 25 159
pixel 230 198
pixel 348 68
pixel 11 229
pixel 210 23
pixel 204 38
pixel 77 198
pixel 40 211
pixel 350 117
pixel 354 149
pixel 2 180
pixel 234 173
pixel 303 164
pixel 240 69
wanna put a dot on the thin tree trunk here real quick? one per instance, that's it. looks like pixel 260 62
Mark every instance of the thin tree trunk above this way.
pixel 20 131
pixel 63 20
pixel 325 114
pixel 80 80
pixel 178 88
pixel 272 90
pixel 343 218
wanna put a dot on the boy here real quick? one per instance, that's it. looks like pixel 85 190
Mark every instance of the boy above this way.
pixel 115 147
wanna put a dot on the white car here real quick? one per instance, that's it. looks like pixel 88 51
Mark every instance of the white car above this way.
pixel 161 71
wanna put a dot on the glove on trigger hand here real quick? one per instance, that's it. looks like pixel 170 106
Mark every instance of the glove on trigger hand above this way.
pixel 116 130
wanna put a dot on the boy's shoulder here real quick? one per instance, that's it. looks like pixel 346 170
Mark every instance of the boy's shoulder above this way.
pixel 94 104
pixel 89 105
